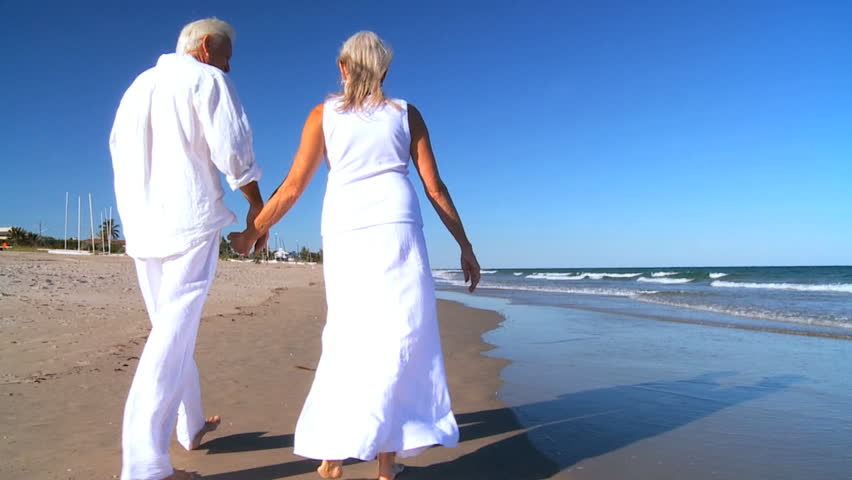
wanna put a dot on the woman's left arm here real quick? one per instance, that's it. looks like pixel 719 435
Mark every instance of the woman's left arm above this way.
pixel 438 194
pixel 305 165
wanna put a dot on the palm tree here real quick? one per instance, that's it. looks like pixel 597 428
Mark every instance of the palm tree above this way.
pixel 19 236
pixel 109 227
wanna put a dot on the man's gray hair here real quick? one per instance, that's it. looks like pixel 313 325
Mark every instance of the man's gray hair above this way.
pixel 191 35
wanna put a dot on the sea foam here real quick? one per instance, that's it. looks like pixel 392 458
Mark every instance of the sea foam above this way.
pixel 757 313
pixel 554 276
pixel 800 287
pixel 609 292
pixel 663 274
pixel 664 280
pixel 580 276
pixel 449 276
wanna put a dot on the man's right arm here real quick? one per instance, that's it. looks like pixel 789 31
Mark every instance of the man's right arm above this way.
pixel 229 138
pixel 226 130
pixel 252 193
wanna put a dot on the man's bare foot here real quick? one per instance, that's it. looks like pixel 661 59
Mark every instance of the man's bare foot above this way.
pixel 331 469
pixel 388 470
pixel 211 424
pixel 182 475
pixel 395 470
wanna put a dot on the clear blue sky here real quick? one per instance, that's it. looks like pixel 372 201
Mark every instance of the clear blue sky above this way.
pixel 570 133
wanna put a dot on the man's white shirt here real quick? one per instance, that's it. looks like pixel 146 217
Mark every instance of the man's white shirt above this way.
pixel 178 125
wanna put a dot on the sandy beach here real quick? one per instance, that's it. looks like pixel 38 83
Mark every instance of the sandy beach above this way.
pixel 73 329
pixel 538 391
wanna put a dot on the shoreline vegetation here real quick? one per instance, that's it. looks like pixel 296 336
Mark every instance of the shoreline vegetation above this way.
pixel 107 233
pixel 22 240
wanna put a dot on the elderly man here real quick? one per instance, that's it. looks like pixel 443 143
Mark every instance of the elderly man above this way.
pixel 178 125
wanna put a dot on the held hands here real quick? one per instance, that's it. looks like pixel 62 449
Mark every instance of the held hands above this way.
pixel 470 267
pixel 260 241
pixel 243 242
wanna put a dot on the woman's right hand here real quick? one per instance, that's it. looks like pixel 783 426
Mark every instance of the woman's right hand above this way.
pixel 470 267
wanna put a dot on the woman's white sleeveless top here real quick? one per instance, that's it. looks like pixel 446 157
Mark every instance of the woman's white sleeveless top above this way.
pixel 368 155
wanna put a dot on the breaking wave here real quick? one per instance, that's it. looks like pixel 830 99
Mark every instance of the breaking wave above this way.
pixel 664 280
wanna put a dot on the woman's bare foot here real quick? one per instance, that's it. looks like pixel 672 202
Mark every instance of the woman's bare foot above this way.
pixel 211 424
pixel 388 470
pixel 331 469
pixel 182 475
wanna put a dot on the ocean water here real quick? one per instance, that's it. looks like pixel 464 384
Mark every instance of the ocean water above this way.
pixel 604 394
pixel 626 373
pixel 801 300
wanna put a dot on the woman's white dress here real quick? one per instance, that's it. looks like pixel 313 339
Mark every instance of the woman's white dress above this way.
pixel 380 385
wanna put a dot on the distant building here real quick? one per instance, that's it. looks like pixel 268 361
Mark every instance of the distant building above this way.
pixel 4 233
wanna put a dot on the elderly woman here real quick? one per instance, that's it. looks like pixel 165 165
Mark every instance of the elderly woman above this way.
pixel 380 387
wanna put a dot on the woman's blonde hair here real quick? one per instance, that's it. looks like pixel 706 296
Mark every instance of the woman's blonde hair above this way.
pixel 366 59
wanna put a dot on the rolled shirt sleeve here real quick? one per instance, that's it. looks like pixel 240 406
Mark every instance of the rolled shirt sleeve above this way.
pixel 227 130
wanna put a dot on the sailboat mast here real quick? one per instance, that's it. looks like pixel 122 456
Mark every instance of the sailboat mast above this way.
pixel 66 221
pixel 79 209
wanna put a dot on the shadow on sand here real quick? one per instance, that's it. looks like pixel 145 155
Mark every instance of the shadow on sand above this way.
pixel 247 442
pixel 552 435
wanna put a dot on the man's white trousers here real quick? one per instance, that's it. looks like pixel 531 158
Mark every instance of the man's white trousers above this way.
pixel 166 389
